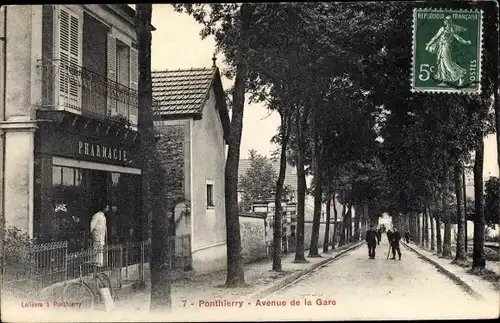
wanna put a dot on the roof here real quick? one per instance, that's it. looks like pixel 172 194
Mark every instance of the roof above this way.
pixel 290 173
pixel 182 93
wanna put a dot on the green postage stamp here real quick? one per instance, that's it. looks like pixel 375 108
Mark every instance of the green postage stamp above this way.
pixel 447 48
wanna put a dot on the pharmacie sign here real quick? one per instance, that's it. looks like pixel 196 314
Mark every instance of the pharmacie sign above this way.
pixel 102 151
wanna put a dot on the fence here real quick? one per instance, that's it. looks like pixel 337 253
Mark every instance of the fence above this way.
pixel 45 264
pixel 34 267
pixel 68 86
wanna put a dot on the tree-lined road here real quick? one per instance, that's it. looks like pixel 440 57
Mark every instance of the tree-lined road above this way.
pixel 381 288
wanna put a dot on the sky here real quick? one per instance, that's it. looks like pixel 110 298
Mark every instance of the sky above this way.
pixel 177 44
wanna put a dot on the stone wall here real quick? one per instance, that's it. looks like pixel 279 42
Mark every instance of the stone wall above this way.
pixel 253 240
pixel 308 232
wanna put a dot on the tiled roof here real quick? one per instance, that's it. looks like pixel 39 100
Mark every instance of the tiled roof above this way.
pixel 179 92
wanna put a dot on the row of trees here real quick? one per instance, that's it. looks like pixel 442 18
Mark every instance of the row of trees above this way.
pixel 337 74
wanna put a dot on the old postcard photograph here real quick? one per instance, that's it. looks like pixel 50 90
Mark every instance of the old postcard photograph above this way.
pixel 287 161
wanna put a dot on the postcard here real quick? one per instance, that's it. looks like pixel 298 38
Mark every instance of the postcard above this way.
pixel 197 162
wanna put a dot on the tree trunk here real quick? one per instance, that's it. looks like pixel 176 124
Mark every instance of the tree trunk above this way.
pixel 357 217
pixel 464 187
pixel 460 255
pixel 439 244
pixel 327 228
pixel 278 210
pixel 157 222
pixel 478 260
pixel 335 219
pixel 318 196
pixel 349 224
pixel 427 228
pixel 301 185
pixel 235 274
pixel 446 214
pixel 424 216
pixel 417 224
pixel 364 220
pixel 433 244
pixel 342 233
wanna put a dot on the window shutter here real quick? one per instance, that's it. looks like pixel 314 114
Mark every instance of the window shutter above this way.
pixel 134 79
pixel 134 68
pixel 111 48
pixel 70 42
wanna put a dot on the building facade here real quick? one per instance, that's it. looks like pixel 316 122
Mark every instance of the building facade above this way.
pixel 192 126
pixel 69 121
pixel 288 220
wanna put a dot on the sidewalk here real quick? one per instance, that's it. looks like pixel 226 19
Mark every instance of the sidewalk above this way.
pixel 259 277
pixel 475 285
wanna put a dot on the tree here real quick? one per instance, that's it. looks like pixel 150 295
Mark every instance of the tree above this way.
pixel 460 255
pixel 258 181
pixel 235 29
pixel 492 202
pixel 478 259
pixel 157 223
pixel 328 217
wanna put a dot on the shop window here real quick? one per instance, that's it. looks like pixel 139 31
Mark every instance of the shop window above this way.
pixel 68 212
pixel 68 176
pixel 78 193
pixel 56 175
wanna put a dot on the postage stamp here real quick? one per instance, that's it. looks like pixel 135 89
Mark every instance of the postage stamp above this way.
pixel 447 48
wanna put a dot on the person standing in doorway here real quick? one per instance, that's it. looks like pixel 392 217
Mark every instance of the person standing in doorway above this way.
pixel 371 240
pixel 396 236
pixel 98 230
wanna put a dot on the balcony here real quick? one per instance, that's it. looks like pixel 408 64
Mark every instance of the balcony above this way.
pixel 73 88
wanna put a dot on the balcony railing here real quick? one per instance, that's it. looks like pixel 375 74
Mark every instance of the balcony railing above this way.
pixel 70 87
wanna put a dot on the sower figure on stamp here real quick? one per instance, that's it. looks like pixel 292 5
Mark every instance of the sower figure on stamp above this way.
pixel 371 240
pixel 98 229
pixel 447 70
pixel 396 237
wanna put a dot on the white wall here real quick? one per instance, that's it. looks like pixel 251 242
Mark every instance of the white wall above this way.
pixel 208 162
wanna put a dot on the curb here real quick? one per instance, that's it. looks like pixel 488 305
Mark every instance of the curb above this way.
pixel 290 279
pixel 447 273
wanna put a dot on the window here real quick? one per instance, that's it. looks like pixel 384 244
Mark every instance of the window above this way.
pixel 78 193
pixel 210 195
pixel 122 63
pixel 70 53
pixel 123 69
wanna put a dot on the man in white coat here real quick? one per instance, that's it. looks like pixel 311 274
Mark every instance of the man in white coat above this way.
pixel 98 230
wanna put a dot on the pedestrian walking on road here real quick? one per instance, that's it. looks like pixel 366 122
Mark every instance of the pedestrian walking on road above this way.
pixel 371 240
pixel 379 235
pixel 407 236
pixel 389 239
pixel 396 236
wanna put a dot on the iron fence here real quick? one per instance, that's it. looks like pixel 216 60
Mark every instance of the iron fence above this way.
pixel 39 266
pixel 68 86
pixel 35 267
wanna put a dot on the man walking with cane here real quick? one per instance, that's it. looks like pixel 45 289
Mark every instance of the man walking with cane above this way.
pixel 396 236
pixel 389 239
pixel 371 240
